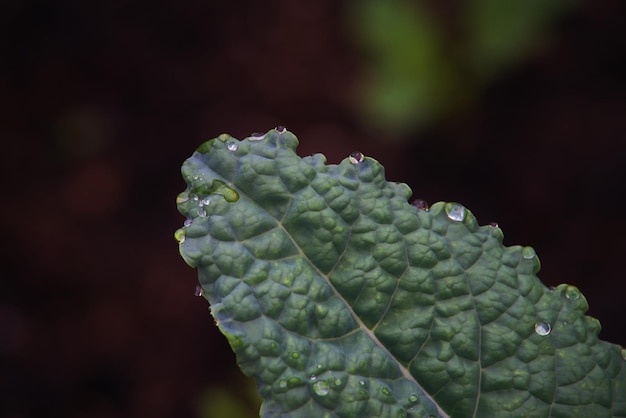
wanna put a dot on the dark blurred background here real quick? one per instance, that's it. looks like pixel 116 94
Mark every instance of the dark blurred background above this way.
pixel 517 109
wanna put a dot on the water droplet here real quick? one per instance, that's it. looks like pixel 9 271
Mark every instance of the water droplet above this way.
pixel 543 328
pixel 493 224
pixel 321 388
pixel 295 381
pixel 421 204
pixel 188 222
pixel 413 398
pixel 195 198
pixel 205 202
pixel 198 291
pixel 257 136
pixel 232 146
pixel 337 381
pixel 319 366
pixel 455 211
pixel 528 253
pixel 180 235
pixel 280 129
pixel 295 355
pixel 201 213
pixel 386 392
pixel 572 293
pixel 282 383
pixel 362 383
pixel 313 378
pixel 355 157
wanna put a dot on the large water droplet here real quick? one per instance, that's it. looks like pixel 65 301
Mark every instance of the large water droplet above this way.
pixel 232 146
pixel 543 328
pixel 386 392
pixel 187 222
pixel 413 399
pixel 455 211
pixel 257 136
pixel 205 202
pixel 355 157
pixel 201 212
pixel 321 388
pixel 198 291
pixel 528 253
pixel 362 383
pixel 572 293
pixel 313 378
pixel 421 204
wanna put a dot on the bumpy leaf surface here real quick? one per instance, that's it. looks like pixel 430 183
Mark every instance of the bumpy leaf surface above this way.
pixel 343 300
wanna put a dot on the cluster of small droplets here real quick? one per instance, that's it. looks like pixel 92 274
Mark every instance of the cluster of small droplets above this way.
pixel 421 204
pixel 355 157
pixel 543 328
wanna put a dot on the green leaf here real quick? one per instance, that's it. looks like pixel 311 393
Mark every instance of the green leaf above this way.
pixel 343 300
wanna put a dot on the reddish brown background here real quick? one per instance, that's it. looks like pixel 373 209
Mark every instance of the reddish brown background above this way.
pixel 100 102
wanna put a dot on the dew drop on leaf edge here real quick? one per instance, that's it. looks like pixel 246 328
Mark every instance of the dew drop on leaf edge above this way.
pixel 528 253
pixel 572 293
pixel 180 235
pixel 232 147
pixel 455 211
pixel 543 328
pixel 421 204
pixel 355 157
